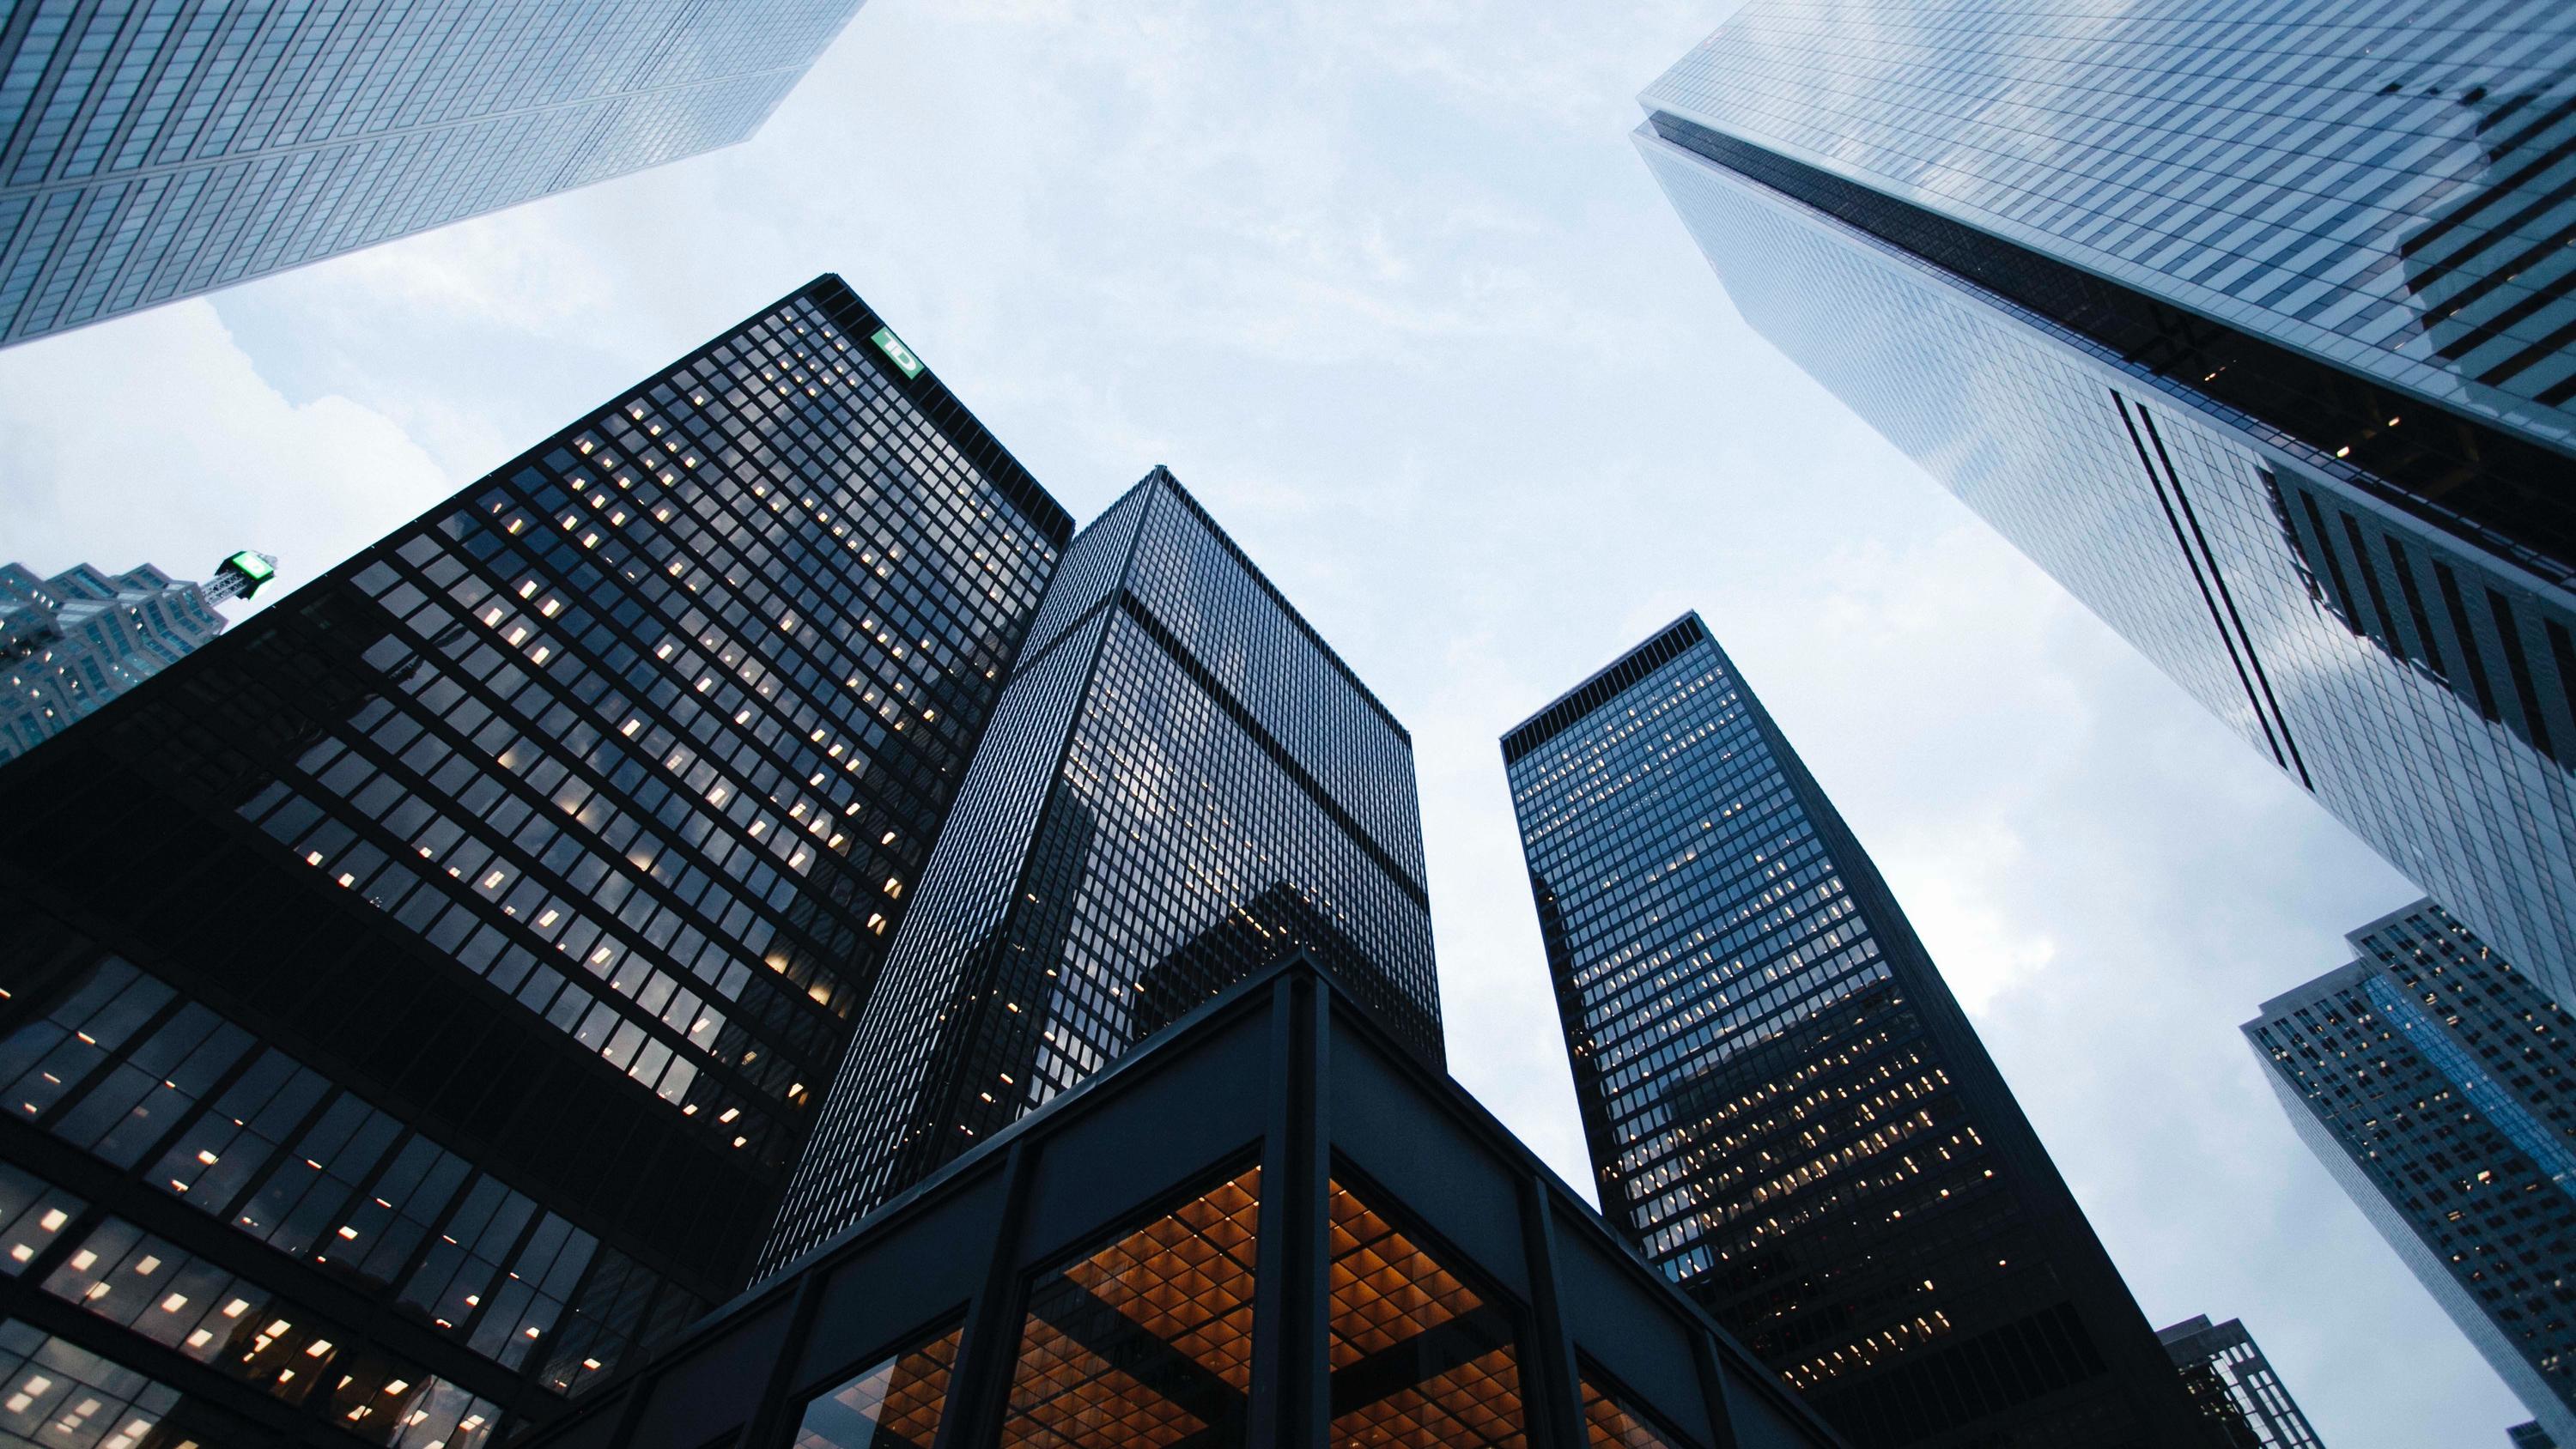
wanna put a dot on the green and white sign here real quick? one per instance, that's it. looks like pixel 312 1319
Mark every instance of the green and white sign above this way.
pixel 896 353
pixel 251 566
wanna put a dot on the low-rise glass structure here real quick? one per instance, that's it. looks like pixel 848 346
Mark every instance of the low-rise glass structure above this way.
pixel 1273 1224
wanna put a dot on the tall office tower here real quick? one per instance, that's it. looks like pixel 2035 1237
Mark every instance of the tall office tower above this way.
pixel 153 149
pixel 2530 1436
pixel 2438 1085
pixel 412 1002
pixel 1182 784
pixel 2251 324
pixel 75 641
pixel 2231 1381
pixel 1787 1111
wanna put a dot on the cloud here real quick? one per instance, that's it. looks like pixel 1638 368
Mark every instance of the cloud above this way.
pixel 154 439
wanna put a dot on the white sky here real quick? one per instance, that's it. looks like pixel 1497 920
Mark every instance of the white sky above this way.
pixel 1387 287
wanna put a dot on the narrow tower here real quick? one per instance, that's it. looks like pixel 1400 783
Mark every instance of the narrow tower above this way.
pixel 1787 1111
pixel 1183 783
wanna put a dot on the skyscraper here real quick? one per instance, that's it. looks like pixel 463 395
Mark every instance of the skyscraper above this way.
pixel 2252 325
pixel 1182 784
pixel 73 642
pixel 2438 1085
pixel 415 999
pixel 153 149
pixel 2228 1377
pixel 1787 1111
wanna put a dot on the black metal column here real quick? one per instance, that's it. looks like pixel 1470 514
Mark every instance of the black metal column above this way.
pixel 989 1343
pixel 1713 1388
pixel 1550 1385
pixel 1291 1372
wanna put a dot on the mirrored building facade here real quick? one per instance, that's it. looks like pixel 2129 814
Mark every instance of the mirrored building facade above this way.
pixel 1787 1111
pixel 1182 784
pixel 2437 1083
pixel 154 149
pixel 2252 325
pixel 413 1001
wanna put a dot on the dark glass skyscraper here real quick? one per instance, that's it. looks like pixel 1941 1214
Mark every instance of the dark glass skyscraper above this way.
pixel 414 1000
pixel 2252 323
pixel 152 149
pixel 1787 1110
pixel 2438 1085
pixel 1182 784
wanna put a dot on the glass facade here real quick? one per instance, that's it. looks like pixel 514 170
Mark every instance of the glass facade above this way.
pixel 1788 1112
pixel 2228 1377
pixel 445 962
pixel 71 643
pixel 2438 1084
pixel 153 149
pixel 1274 1224
pixel 1182 784
pixel 2253 328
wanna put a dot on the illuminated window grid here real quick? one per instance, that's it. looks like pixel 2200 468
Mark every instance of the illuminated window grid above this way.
pixel 890 1405
pixel 1177 1287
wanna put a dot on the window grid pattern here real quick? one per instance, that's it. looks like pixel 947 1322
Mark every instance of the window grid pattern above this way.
pixel 1143 826
pixel 581 811
pixel 2438 1084
pixel 670 715
pixel 2245 1393
pixel 152 149
pixel 2186 528
pixel 2379 186
pixel 71 643
pixel 1774 1122
pixel 197 1109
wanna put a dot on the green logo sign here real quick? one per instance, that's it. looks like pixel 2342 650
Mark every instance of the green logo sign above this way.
pixel 251 566
pixel 896 353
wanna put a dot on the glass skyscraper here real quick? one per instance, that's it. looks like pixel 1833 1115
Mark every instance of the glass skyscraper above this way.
pixel 2228 1377
pixel 71 643
pixel 1786 1109
pixel 1182 784
pixel 153 149
pixel 412 1002
pixel 2251 323
pixel 2438 1084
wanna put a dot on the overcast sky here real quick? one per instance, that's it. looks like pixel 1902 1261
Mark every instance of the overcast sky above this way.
pixel 1389 289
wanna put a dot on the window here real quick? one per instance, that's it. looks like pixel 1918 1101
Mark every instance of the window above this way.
pixel 1147 1339
pixel 894 1404
pixel 1419 1358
